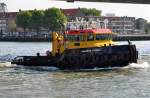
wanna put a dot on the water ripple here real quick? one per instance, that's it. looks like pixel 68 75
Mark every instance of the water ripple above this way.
pixel 46 82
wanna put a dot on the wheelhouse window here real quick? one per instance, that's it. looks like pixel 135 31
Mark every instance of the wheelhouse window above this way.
pixel 103 37
pixel 74 37
pixel 81 37
pixel 90 37
pixel 69 37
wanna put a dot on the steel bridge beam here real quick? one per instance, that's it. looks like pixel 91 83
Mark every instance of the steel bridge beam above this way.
pixel 114 1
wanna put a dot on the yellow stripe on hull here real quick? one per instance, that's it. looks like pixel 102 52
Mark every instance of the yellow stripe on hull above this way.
pixel 87 44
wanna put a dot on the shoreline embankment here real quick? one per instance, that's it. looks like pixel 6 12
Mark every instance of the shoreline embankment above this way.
pixel 41 39
pixel 131 37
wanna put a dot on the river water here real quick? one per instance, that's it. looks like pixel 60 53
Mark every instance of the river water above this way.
pixel 132 81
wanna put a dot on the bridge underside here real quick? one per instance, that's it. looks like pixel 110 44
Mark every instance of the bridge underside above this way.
pixel 114 1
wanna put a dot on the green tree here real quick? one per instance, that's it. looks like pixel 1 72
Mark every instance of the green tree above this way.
pixel 147 30
pixel 90 12
pixel 54 19
pixel 37 20
pixel 141 24
pixel 24 19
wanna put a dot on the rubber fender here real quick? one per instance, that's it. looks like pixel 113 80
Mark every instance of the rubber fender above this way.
pixel 77 60
pixel 83 60
pixel 130 53
pixel 137 54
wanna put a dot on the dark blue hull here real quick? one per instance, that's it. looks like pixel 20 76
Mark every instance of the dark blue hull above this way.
pixel 87 58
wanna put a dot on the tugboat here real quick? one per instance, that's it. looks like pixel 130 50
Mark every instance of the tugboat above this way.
pixel 83 49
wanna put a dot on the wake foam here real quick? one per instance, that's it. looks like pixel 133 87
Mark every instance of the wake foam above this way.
pixel 7 57
pixel 135 65
pixel 6 64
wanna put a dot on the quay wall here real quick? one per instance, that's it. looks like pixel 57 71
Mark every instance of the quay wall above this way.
pixel 131 37
pixel 24 39
pixel 35 39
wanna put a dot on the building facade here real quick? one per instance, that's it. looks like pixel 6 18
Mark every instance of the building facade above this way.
pixel 121 25
pixel 7 21
pixel 71 14
pixel 3 22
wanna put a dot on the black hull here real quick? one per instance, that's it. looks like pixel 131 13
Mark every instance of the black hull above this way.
pixel 110 56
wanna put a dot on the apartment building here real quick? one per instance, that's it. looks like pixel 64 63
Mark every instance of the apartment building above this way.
pixel 121 25
pixel 6 21
pixel 3 10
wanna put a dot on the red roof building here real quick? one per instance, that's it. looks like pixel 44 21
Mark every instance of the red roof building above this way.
pixel 72 13
pixel 6 18
pixel 8 14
